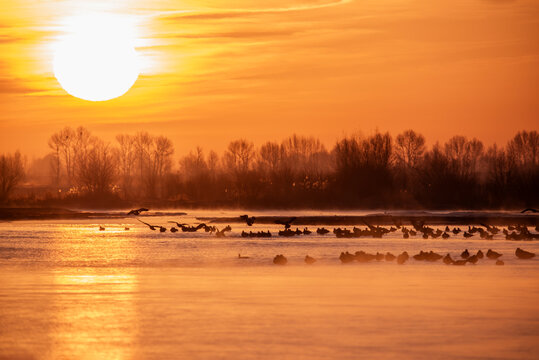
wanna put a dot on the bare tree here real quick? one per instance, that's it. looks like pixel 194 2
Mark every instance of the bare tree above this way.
pixel 96 171
pixel 239 156
pixel 524 148
pixel 409 148
pixel 126 161
pixel 11 174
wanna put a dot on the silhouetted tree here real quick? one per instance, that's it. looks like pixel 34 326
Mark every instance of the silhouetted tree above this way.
pixel 11 174
pixel 97 169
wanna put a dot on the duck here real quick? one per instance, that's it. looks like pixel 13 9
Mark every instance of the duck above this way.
pixel 499 262
pixel 173 229
pixel 480 254
pixel 309 260
pixel 473 259
pixel 243 257
pixel 101 228
pixel 523 254
pixel 127 228
pixel 465 254
pixel 447 259
pixel 460 262
pixel 306 231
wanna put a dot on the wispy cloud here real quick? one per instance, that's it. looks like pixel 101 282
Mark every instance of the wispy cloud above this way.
pixel 235 13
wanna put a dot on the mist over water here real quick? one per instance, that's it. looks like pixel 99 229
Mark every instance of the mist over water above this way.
pixel 68 290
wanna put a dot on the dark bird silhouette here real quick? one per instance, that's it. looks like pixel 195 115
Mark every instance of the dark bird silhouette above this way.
pixel 523 254
pixel 286 223
pixel 529 210
pixel 402 258
pixel 390 256
pixel 221 233
pixel 249 220
pixel 346 257
pixel 173 230
pixel 126 228
pixel 101 228
pixel 309 260
pixel 243 257
pixel 322 231
pixel 152 227
pixel 280 260
pixel 493 254
pixel 137 211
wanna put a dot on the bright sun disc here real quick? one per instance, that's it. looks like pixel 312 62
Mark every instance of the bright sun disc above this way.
pixel 96 59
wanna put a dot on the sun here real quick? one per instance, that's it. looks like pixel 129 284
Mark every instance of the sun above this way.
pixel 95 58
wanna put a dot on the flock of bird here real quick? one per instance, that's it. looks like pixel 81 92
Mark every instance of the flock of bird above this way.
pixel 516 232
pixel 485 231
pixel 430 256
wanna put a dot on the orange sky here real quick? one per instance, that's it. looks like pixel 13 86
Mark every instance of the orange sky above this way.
pixel 265 69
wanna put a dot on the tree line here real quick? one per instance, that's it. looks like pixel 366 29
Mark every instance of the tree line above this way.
pixel 376 171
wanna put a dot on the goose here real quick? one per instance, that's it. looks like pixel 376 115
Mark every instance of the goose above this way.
pixel 346 257
pixel 493 254
pixel 322 231
pixel 152 227
pixel 286 223
pixel 402 258
pixel 523 254
pixel 249 220
pixel 390 257
pixel 137 211
pixel 280 260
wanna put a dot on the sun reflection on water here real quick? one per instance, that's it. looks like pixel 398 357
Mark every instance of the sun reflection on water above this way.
pixel 95 315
